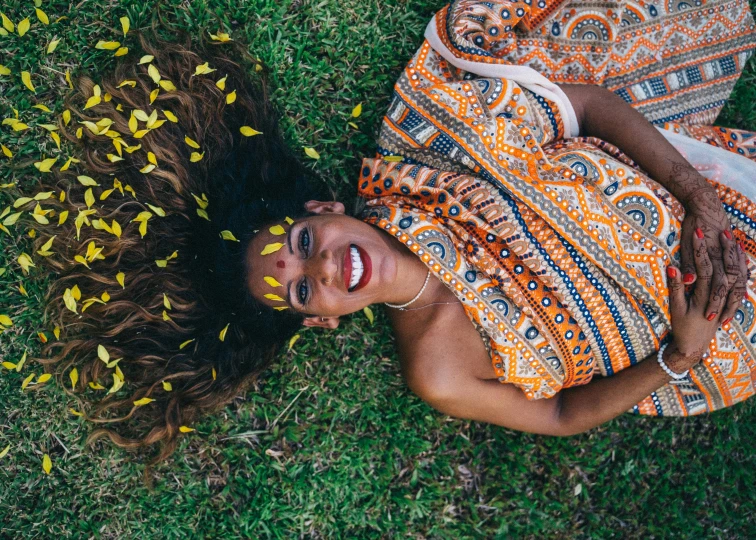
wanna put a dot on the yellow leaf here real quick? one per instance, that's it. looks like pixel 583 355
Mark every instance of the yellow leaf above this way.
pixel 23 27
pixel 8 365
pixel 288 220
pixel 4 452
pixel 141 133
pixel 122 51
pixel 147 169
pixel 74 376
pixel 7 24
pixel 230 98
pixel 117 384
pixel 166 302
pixel 311 152
pixel 105 296
pixel 62 217
pixel 26 79
pixel 146 59
pixel 293 340
pixel 185 429
pixel 20 126
pixel 5 320
pixel 75 412
pixel 167 85
pixel 42 107
pixel 214 374
pixel 154 94
pixel 153 72
pixel 125 24
pixel 280 308
pixel 220 83
pixel 271 248
pixel 76 293
pixel 6 151
pixel 102 354
pixel 42 16
pixel 272 281
pixel 357 111
pixel 91 102
pixel 46 464
pixel 127 82
pixel 249 132
pixel 185 343
pixel 89 197
pixel 228 235
pixel 86 180
pixel 52 46
pixel 25 262
pixel 191 142
pixel 369 314
pixel 274 297
pixel 21 363
pixel 196 156
pixel 26 381
pixel 116 228
pixel 96 386
pixel 43 378
pixel 201 213
pixel 66 117
pixel 143 401
pixel 170 116
pixel 55 137
pixel 355 126
pixel 220 36
pixel 151 158
pixel 120 277
pixel 107 45
pixel 68 80
pixel 223 332
pixel 56 332
pixel 4 70
pixel 167 386
pixel 277 230
pixel 203 69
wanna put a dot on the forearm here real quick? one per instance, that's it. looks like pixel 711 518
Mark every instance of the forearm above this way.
pixel 603 114
pixel 588 406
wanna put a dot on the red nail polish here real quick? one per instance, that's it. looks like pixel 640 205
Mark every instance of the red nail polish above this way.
pixel 688 278
pixel 671 272
pixel 711 316
pixel 728 235
pixel 727 320
pixel 699 233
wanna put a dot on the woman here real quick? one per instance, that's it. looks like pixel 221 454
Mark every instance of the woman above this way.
pixel 555 249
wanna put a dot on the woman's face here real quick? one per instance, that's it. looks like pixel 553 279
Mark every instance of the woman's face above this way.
pixel 330 265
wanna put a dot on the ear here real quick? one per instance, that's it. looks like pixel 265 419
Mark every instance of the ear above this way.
pixel 324 207
pixel 321 322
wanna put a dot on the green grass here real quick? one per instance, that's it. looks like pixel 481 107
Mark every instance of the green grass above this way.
pixel 331 443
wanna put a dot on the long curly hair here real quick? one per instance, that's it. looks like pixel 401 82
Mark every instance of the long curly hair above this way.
pixel 183 282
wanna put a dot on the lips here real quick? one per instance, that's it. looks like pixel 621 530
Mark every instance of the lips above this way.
pixel 362 260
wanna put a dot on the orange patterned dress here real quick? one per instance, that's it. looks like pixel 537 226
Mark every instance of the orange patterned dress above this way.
pixel 556 244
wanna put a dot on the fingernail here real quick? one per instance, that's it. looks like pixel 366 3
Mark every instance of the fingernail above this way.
pixel 688 278
pixel 711 316
pixel 728 235
pixel 727 320
pixel 699 233
pixel 671 272
pixel 740 245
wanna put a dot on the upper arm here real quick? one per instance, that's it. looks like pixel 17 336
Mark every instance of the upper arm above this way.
pixel 579 95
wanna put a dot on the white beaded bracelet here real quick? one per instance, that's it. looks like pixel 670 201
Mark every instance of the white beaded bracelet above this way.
pixel 676 376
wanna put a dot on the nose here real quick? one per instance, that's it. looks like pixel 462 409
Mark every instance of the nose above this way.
pixel 324 267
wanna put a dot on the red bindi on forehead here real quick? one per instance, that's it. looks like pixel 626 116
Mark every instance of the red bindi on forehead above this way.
pixel 281 264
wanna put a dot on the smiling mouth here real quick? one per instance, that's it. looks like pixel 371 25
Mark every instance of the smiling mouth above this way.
pixel 357 268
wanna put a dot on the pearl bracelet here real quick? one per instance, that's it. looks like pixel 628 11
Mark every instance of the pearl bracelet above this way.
pixel 676 376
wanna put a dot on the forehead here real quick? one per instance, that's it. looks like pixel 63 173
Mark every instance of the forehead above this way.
pixel 270 265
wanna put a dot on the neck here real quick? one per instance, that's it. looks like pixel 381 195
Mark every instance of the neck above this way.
pixel 411 273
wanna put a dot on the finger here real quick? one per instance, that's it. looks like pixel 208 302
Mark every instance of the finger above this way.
pixel 678 304
pixel 718 289
pixel 703 272
pixel 687 262
pixel 738 291
pixel 730 258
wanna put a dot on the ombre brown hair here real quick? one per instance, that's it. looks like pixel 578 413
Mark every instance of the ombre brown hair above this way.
pixel 248 183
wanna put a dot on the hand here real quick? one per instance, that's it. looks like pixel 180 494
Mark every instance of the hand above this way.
pixel 704 215
pixel 692 331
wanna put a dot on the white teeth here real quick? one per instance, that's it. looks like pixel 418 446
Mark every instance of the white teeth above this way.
pixel 357 267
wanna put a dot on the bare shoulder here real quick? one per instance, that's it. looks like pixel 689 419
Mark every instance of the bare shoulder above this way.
pixel 439 349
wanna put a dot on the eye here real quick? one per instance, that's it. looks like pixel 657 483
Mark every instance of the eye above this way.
pixel 304 240
pixel 302 292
